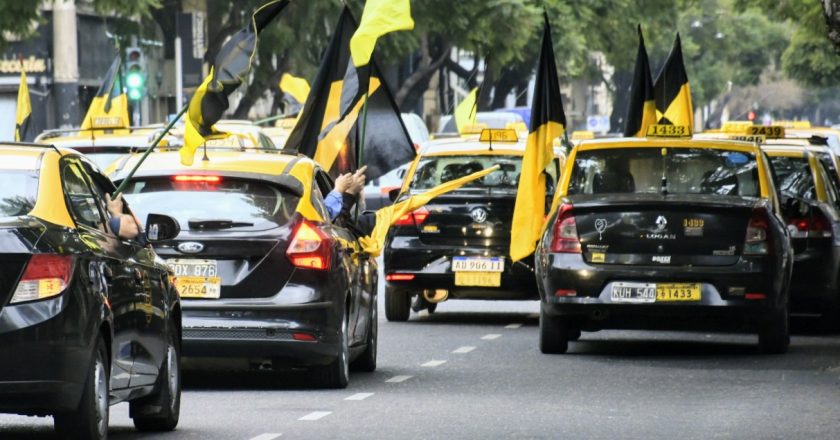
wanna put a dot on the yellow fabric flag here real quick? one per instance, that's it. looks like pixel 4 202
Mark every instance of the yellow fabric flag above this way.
pixel 298 88
pixel 24 110
pixel 331 145
pixel 386 216
pixel 192 138
pixel 379 18
pixel 465 113
pixel 109 108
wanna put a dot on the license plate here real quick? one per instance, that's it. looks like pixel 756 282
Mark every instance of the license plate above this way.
pixel 650 292
pixel 196 278
pixel 481 279
pixel 478 264
pixel 677 292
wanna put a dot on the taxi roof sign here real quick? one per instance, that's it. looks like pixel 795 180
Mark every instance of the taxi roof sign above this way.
pixel 498 135
pixel 755 138
pixel 794 124
pixel 736 126
pixel 518 126
pixel 663 130
pixel 768 131
pixel 474 128
pixel 581 135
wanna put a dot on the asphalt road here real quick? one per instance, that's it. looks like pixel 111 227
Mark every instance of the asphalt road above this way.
pixel 473 371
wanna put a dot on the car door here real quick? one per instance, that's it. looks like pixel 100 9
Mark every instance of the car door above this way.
pixel 103 261
pixel 146 292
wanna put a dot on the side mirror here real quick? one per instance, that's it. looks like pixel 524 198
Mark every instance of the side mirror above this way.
pixel 393 194
pixel 161 227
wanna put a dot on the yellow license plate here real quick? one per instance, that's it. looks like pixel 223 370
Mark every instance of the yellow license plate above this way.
pixel 198 287
pixel 482 279
pixel 677 292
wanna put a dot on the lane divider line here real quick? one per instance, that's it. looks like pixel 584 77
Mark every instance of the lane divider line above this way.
pixel 398 379
pixel 266 436
pixel 432 364
pixel 491 336
pixel 359 396
pixel 315 415
pixel 464 349
pixel 514 325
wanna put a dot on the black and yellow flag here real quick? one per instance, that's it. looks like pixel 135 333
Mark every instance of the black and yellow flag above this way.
pixel 548 122
pixel 229 71
pixel 329 127
pixel 641 112
pixel 109 108
pixel 672 92
pixel 23 114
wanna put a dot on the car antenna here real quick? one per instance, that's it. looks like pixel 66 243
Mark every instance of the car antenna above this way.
pixel 664 188
pixel 205 158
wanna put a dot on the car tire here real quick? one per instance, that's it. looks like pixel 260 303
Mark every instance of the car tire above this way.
pixel 397 304
pixel 89 421
pixel 366 362
pixel 336 375
pixel 774 333
pixel 161 410
pixel 554 337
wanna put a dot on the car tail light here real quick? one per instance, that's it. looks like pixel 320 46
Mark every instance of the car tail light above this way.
pixel 46 275
pixel 565 238
pixel 205 179
pixel 399 277
pixel 310 247
pixel 414 218
pixel 757 239
pixel 815 225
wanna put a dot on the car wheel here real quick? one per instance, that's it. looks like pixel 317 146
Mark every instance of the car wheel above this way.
pixel 161 410
pixel 774 333
pixel 337 373
pixel 397 304
pixel 89 421
pixel 367 360
pixel 554 338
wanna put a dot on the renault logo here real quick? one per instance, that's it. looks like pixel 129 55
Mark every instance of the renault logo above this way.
pixel 479 215
pixel 190 247
pixel 661 223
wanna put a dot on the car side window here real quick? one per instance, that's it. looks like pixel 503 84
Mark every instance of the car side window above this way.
pixel 318 195
pixel 830 189
pixel 83 204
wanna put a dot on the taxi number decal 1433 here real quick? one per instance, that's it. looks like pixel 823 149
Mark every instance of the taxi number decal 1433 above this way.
pixel 661 130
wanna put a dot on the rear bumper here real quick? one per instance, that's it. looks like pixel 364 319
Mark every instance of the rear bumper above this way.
pixel 815 279
pixel 45 362
pixel 722 305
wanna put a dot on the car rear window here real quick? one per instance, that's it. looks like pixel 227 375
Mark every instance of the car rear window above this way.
pixel 435 170
pixel 250 205
pixel 669 170
pixel 794 176
pixel 18 192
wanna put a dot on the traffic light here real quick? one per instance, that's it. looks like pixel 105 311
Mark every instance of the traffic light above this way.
pixel 135 73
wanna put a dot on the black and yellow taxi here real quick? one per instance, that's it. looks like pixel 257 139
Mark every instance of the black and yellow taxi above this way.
pixel 87 318
pixel 457 246
pixel 265 278
pixel 665 233
pixel 103 147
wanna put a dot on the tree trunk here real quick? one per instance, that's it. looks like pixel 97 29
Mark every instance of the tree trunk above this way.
pixel 831 8
pixel 487 86
pixel 623 79
pixel 429 63
pixel 507 82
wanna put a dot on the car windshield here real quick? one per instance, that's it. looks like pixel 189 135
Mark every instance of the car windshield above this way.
pixel 665 170
pixel 433 171
pixel 243 204
pixel 18 192
pixel 794 176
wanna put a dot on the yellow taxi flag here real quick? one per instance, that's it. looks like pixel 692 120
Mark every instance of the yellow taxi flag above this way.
pixel 385 217
pixel 24 110
pixel 465 113
pixel 379 18
pixel 109 107
pixel 672 91
pixel 192 137
pixel 298 88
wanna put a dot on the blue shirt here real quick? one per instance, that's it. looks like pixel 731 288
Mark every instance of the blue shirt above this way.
pixel 334 203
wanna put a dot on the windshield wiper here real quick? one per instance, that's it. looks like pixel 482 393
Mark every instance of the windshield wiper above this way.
pixel 216 224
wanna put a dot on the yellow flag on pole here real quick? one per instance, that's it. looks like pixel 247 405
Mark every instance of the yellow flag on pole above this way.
pixel 297 88
pixel 24 110
pixel 465 113
pixel 385 217
pixel 379 18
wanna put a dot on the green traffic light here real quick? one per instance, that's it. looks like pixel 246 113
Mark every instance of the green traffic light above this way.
pixel 135 94
pixel 134 80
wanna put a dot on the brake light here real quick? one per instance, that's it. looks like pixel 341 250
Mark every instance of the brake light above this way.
pixel 46 275
pixel 310 247
pixel 414 218
pixel 565 239
pixel 816 225
pixel 205 179
pixel 399 277
pixel 757 239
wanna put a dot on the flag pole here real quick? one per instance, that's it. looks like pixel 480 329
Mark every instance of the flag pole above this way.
pixel 361 149
pixel 154 144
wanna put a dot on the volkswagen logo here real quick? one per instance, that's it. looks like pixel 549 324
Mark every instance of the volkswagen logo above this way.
pixel 190 247
pixel 479 215
pixel 661 223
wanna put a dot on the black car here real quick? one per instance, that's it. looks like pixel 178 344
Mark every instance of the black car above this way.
pixel 88 319
pixel 665 234
pixel 458 245
pixel 265 278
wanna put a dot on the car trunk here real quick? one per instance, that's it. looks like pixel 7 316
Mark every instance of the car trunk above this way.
pixel 652 229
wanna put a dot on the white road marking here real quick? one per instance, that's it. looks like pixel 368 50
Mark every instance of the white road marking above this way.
pixel 433 364
pixel 491 336
pixel 514 325
pixel 315 415
pixel 398 379
pixel 359 396
pixel 266 436
pixel 462 350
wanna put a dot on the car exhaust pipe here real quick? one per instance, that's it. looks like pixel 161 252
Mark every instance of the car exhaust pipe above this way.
pixel 435 296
